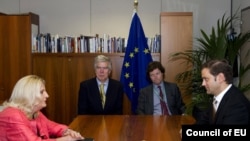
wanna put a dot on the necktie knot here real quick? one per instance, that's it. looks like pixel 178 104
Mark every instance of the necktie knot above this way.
pixel 160 91
pixel 215 102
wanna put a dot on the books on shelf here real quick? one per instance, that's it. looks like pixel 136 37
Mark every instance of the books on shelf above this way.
pixel 47 43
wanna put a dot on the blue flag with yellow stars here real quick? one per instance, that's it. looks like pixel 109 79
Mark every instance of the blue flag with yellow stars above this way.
pixel 136 59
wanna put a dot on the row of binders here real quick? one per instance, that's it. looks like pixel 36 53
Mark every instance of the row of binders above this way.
pixel 47 43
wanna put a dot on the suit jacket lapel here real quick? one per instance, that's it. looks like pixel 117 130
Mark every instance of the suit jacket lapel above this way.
pixel 168 95
pixel 222 104
pixel 151 99
pixel 96 93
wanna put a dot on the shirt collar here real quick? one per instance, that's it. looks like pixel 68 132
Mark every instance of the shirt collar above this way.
pixel 99 82
pixel 161 84
pixel 220 95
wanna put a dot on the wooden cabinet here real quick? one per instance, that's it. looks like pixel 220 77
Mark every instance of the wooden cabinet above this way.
pixel 15 49
pixel 176 35
pixel 63 74
pixel 2 97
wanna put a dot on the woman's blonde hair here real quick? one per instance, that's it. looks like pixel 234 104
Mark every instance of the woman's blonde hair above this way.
pixel 26 94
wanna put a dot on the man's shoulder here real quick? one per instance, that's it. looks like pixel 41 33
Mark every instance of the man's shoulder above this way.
pixel 148 87
pixel 235 95
pixel 115 82
pixel 91 80
pixel 169 83
pixel 234 92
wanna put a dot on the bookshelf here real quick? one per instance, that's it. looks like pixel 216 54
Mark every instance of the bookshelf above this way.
pixel 15 49
pixel 48 43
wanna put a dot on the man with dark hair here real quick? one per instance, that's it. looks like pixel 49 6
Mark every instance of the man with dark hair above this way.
pixel 160 97
pixel 229 106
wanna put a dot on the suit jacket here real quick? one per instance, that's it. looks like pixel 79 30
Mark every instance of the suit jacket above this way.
pixel 89 99
pixel 174 100
pixel 15 126
pixel 234 108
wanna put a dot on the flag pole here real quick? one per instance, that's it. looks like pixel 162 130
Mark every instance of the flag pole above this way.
pixel 135 5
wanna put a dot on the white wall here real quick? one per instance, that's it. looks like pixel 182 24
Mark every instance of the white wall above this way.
pixel 113 17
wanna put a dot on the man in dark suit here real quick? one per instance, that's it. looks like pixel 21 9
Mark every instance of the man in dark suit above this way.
pixel 230 105
pixel 97 100
pixel 154 99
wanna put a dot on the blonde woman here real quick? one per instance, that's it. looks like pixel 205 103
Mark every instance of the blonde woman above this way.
pixel 21 119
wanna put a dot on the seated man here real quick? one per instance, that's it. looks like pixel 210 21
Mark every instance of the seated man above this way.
pixel 160 97
pixel 101 95
pixel 230 105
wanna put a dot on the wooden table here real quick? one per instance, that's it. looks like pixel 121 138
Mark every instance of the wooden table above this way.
pixel 130 127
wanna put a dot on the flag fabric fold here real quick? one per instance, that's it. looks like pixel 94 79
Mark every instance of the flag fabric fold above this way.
pixel 136 59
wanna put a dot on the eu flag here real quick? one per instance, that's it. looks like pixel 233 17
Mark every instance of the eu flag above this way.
pixel 136 59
